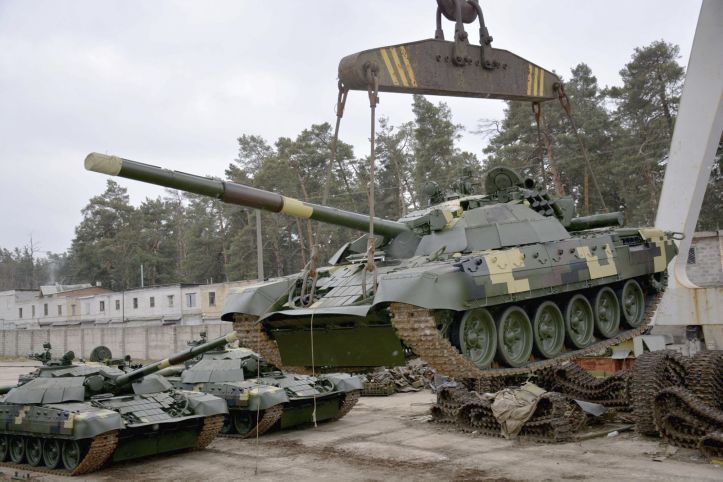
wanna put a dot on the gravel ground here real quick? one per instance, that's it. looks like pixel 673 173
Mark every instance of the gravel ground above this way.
pixel 390 438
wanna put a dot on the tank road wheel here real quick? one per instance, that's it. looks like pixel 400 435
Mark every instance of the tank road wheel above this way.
pixel 514 337
pixel 51 453
pixel 607 312
pixel 579 321
pixel 4 447
pixel 34 450
pixel 17 449
pixel 228 426
pixel 244 421
pixel 71 454
pixel 478 337
pixel 632 300
pixel 549 330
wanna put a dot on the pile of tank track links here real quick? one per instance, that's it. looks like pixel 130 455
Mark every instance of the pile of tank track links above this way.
pixel 556 419
pixel 681 399
pixel 413 377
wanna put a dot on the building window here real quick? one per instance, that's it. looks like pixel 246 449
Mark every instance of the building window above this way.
pixel 60 310
pixel 211 298
pixel 170 301
pixel 117 305
pixel 32 309
pixel 72 309
pixel 86 308
pixel 20 312
pixel 691 256
pixel 101 306
pixel 45 309
pixel 190 300
pixel 135 303
pixel 153 302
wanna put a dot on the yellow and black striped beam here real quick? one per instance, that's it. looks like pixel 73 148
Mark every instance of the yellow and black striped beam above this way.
pixel 426 67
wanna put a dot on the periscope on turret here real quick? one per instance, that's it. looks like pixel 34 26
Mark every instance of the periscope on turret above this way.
pixel 478 285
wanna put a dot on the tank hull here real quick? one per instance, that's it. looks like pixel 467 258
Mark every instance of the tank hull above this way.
pixel 349 333
pixel 109 430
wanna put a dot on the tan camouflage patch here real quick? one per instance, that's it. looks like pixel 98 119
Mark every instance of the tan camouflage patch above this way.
pixel 500 265
pixel 593 262
pixel 244 396
pixel 70 422
pixel 198 387
pixel 22 414
pixel 657 237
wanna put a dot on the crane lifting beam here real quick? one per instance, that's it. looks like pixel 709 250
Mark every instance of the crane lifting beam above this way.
pixel 454 68
pixel 426 67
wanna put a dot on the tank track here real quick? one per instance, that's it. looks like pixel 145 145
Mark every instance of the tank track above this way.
pixel 254 338
pixel 417 328
pixel 711 446
pixel 654 371
pixel 268 419
pixel 209 431
pixel 350 399
pixel 705 377
pixel 573 381
pixel 99 451
pixel 684 420
pixel 556 419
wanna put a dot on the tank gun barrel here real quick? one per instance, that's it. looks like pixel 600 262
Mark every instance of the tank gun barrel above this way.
pixel 596 221
pixel 6 388
pixel 233 193
pixel 175 359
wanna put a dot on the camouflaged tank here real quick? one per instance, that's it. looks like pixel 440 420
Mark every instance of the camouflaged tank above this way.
pixel 71 419
pixel 260 396
pixel 478 285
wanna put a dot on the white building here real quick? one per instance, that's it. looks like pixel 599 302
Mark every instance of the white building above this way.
pixel 86 305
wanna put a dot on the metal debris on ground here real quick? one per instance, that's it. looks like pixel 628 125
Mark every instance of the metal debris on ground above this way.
pixel 415 376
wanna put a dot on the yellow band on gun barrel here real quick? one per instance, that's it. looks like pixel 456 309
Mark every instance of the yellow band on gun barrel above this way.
pixel 296 208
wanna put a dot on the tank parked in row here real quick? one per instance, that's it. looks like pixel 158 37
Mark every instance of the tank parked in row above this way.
pixel 477 285
pixel 261 396
pixel 71 419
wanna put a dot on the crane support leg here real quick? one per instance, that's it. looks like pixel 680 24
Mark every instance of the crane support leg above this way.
pixel 695 140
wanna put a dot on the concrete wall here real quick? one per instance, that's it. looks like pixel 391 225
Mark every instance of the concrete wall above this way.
pixel 705 267
pixel 140 342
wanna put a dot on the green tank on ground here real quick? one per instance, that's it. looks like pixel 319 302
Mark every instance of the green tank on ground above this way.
pixel 478 285
pixel 260 396
pixel 71 419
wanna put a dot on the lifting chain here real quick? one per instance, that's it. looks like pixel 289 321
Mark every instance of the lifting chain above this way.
pixel 340 103
pixel 373 91
pixel 544 144
pixel 565 103
pixel 537 110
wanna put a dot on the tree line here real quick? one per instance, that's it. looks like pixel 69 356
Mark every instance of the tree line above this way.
pixel 613 159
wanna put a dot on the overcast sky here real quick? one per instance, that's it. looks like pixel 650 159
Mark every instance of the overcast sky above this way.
pixel 174 83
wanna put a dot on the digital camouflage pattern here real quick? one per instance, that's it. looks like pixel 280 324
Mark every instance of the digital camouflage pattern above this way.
pixel 503 279
pixel 260 396
pixel 71 419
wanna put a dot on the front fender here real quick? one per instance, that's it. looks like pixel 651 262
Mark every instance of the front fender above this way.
pixel 423 288
pixel 256 299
